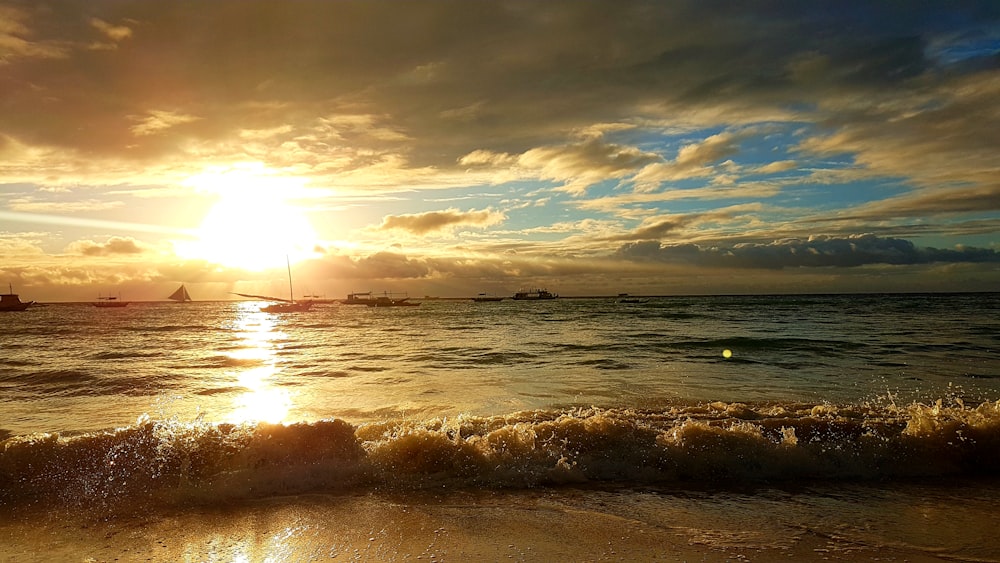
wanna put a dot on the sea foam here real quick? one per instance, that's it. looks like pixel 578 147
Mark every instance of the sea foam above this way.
pixel 707 444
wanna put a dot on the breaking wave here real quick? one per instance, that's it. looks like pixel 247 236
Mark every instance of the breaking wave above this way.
pixel 713 443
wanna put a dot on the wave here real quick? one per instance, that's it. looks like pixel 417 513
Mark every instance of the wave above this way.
pixel 704 444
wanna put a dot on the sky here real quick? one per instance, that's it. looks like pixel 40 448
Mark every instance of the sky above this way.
pixel 449 148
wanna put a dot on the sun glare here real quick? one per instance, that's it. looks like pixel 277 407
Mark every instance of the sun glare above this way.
pixel 262 400
pixel 253 225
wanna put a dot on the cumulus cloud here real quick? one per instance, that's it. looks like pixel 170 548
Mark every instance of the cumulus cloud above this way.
pixel 815 252
pixel 436 221
pixel 113 246
pixel 389 265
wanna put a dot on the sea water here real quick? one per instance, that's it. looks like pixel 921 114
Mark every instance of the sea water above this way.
pixel 704 428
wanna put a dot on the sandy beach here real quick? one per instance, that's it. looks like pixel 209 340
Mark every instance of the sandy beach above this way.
pixel 498 526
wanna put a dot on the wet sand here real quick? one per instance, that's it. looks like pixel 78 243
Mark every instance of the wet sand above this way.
pixel 497 526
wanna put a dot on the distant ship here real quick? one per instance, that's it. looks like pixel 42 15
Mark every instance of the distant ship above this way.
pixel 11 302
pixel 533 295
pixel 360 298
pixel 483 298
pixel 317 299
pixel 387 300
pixel 107 302
pixel 181 295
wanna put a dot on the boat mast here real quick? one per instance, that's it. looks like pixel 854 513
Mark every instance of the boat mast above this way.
pixel 291 295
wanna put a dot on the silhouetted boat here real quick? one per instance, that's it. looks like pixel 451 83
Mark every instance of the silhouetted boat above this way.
pixel 110 302
pixel 533 295
pixel 11 302
pixel 289 305
pixel 387 300
pixel 626 298
pixel 360 298
pixel 181 295
pixel 317 299
pixel 482 298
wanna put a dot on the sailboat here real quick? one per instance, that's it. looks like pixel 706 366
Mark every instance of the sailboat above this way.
pixel 181 295
pixel 289 305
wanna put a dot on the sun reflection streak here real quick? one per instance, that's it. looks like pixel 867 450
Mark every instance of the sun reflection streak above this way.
pixel 262 401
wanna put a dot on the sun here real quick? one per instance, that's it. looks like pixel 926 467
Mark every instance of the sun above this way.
pixel 253 225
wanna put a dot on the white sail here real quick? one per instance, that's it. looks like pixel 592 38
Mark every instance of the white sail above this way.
pixel 181 295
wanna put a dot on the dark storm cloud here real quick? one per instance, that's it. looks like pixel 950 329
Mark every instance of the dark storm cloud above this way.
pixel 816 252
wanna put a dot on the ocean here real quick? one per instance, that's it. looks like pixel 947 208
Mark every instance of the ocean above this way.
pixel 725 428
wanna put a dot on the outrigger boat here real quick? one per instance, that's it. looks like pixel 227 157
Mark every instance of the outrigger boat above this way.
pixel 483 298
pixel 359 298
pixel 387 300
pixel 371 300
pixel 289 305
pixel 533 295
pixel 318 299
pixel 11 301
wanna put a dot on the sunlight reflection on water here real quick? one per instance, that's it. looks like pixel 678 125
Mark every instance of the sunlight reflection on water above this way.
pixel 262 401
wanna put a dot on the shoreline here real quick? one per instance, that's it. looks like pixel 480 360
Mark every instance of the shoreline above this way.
pixel 542 525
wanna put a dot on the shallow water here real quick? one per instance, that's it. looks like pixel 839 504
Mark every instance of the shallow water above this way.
pixel 77 368
pixel 859 425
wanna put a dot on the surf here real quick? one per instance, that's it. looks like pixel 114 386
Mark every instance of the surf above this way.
pixel 169 462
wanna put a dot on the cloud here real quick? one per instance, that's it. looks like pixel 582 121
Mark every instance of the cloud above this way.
pixel 513 79
pixel 645 116
pixel 582 165
pixel 389 265
pixel 815 252
pixel 113 246
pixel 777 166
pixel 577 165
pixel 940 140
pixel 158 120
pixel 692 161
pixel 436 221
pixel 481 157
pixel 16 38
pixel 113 34
pixel 30 205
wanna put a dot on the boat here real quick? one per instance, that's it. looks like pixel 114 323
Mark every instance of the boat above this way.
pixel 387 300
pixel 110 302
pixel 280 305
pixel 533 295
pixel 360 298
pixel 181 295
pixel 483 298
pixel 287 307
pixel 318 299
pixel 626 298
pixel 11 301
